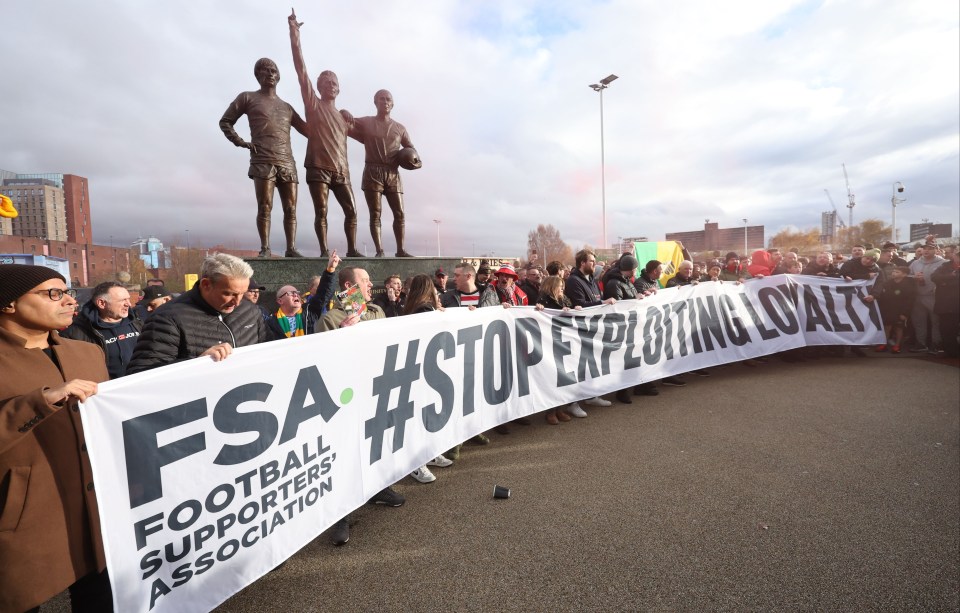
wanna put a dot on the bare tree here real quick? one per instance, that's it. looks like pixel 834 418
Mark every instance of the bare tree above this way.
pixel 546 242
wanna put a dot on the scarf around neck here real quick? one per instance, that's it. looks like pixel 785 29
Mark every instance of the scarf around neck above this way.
pixel 285 323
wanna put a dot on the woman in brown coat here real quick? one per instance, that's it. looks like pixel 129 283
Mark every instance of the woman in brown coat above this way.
pixel 49 526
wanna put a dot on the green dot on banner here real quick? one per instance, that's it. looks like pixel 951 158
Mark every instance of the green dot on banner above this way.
pixel 346 396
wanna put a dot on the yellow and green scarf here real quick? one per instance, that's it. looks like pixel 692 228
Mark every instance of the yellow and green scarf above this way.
pixel 285 324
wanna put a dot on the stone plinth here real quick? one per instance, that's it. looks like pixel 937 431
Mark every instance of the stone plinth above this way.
pixel 274 273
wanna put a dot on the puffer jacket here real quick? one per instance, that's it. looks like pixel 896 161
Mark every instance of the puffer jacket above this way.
pixel 188 326
pixel 619 287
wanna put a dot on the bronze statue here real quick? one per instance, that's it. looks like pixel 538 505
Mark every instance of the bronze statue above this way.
pixel 326 161
pixel 271 158
pixel 384 139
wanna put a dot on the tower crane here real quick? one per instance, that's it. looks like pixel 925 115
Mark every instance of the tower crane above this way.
pixel 850 200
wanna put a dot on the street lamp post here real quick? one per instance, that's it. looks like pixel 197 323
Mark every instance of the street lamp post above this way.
pixel 599 87
pixel 745 248
pixel 894 201
pixel 437 221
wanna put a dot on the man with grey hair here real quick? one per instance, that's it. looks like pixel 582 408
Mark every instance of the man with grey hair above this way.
pixel 211 319
pixel 684 275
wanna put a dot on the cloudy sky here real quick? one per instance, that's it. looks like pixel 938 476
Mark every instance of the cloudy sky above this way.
pixel 723 110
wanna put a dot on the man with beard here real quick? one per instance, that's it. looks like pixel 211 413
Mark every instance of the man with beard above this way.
pixel 583 291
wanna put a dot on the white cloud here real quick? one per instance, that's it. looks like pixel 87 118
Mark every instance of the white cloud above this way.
pixel 723 110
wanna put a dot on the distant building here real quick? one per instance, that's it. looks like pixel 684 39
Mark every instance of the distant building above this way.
pixel 62 213
pixel 41 208
pixel 919 230
pixel 86 263
pixel 828 226
pixel 714 238
pixel 152 253
pixel 60 265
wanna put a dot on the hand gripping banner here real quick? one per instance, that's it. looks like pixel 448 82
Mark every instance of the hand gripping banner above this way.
pixel 209 474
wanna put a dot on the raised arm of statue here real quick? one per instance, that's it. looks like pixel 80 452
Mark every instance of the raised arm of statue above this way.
pixel 306 87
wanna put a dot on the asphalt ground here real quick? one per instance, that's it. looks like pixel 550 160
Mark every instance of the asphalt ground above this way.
pixel 826 485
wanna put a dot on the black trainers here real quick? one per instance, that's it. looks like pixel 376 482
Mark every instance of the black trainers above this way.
pixel 646 389
pixel 919 349
pixel 340 532
pixel 388 497
pixel 673 382
pixel 700 373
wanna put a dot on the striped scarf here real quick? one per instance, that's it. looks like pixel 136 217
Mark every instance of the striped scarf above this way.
pixel 285 324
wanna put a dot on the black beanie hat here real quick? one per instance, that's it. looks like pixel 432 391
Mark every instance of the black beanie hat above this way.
pixel 628 262
pixel 18 279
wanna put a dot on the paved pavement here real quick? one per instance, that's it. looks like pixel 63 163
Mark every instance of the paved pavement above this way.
pixel 831 485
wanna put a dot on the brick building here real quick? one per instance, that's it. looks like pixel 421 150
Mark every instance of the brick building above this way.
pixel 86 262
pixel 715 238
pixel 51 205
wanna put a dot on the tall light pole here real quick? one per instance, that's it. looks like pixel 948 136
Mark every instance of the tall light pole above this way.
pixel 437 221
pixel 599 87
pixel 188 251
pixel 894 201
pixel 746 250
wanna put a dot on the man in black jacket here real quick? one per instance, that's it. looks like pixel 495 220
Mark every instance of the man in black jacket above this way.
pixel 211 319
pixel 108 321
pixel 583 291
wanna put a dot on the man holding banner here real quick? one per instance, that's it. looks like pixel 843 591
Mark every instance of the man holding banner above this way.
pixel 49 521
pixel 211 319
pixel 338 317
pixel 583 291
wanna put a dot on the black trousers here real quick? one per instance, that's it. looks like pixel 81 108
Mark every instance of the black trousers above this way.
pixel 90 594
pixel 949 323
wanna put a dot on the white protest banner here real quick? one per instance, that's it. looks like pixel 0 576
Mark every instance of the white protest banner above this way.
pixel 210 474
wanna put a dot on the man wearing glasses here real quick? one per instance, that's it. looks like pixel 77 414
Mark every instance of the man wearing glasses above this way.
pixel 48 508
pixel 288 321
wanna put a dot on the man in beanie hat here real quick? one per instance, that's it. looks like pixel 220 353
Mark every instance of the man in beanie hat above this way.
pixel 732 271
pixel 863 267
pixel 483 274
pixel 49 523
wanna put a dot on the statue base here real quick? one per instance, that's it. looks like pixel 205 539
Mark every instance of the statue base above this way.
pixel 274 273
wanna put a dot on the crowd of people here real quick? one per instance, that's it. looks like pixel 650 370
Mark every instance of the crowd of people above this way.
pixel 56 351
